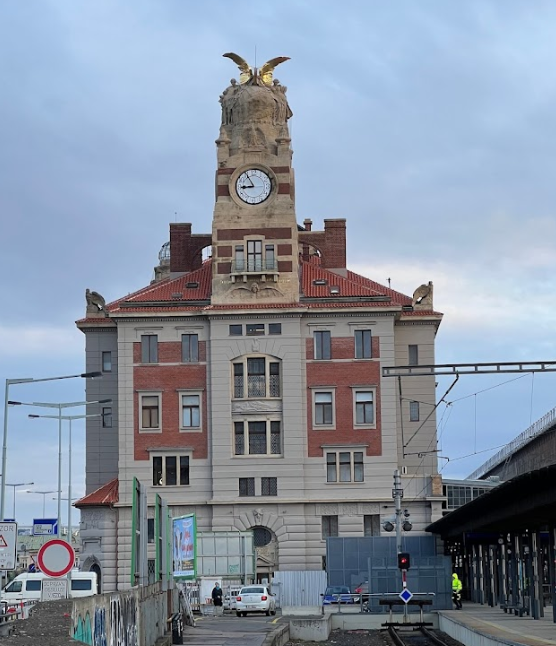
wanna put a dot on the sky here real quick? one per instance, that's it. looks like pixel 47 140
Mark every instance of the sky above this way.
pixel 428 125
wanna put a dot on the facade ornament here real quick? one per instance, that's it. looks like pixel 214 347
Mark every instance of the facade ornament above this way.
pixel 258 516
pixel 96 305
pixel 248 73
pixel 422 297
pixel 255 346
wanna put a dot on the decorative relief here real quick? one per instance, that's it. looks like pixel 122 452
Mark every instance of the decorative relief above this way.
pixel 347 509
pixel 368 508
pixel 256 406
pixel 327 509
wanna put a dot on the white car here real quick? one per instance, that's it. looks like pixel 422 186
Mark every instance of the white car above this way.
pixel 255 598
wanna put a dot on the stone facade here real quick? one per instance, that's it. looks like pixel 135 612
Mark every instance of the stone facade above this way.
pixel 248 389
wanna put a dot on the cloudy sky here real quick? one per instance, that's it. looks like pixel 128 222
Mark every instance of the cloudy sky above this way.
pixel 429 125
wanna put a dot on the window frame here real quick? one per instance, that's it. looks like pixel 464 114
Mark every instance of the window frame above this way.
pixel 414 412
pixel 255 329
pixel 266 486
pixel 340 454
pixel 320 391
pixel 191 393
pixel 413 354
pixel 364 389
pixel 106 417
pixel 190 348
pixel 249 483
pixel 242 426
pixel 268 375
pixel 178 458
pixel 233 329
pixel 371 522
pixel 149 349
pixel 150 429
pixel 274 328
pixel 319 349
pixel 327 526
pixel 359 349
pixel 106 354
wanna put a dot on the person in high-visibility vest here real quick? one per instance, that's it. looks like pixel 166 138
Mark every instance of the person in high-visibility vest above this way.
pixel 456 591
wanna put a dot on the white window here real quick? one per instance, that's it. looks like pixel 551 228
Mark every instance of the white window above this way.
pixel 256 378
pixel 413 411
pixel 364 404
pixel 191 411
pixel 260 437
pixel 149 412
pixel 323 408
pixel 344 466
pixel 170 470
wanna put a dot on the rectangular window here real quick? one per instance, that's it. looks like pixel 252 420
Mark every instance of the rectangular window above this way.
pixel 263 438
pixel 238 381
pixel 150 530
pixel 150 406
pixel 269 486
pixel 329 526
pixel 107 417
pixel 149 348
pixel 191 411
pixel 256 382
pixel 274 379
pixel 413 355
pixel 270 260
pixel 413 411
pixel 240 258
pixel 275 328
pixel 344 466
pixel 106 362
pixel 236 330
pixel 254 329
pixel 363 344
pixel 323 409
pixel 189 348
pixel 170 470
pixel 254 255
pixel 322 345
pixel 246 487
pixel 364 407
pixel 371 525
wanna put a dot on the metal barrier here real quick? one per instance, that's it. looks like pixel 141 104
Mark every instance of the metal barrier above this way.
pixel 363 605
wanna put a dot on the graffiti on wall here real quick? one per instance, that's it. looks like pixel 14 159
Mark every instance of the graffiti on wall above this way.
pixel 91 632
pixel 123 621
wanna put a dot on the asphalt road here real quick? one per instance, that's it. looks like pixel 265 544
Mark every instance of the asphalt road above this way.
pixel 229 630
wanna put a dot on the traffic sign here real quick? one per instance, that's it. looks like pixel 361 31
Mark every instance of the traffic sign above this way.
pixel 8 541
pixel 45 527
pixel 52 589
pixel 56 558
pixel 405 595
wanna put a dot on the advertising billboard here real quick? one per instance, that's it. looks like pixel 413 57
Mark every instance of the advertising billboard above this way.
pixel 184 539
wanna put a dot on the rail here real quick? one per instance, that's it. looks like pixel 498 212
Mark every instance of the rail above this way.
pixel 413 638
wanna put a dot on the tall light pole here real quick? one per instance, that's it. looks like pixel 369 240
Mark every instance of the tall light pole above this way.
pixel 15 485
pixel 26 380
pixel 60 407
pixel 43 494
pixel 70 419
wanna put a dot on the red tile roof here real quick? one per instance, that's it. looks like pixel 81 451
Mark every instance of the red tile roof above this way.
pixel 104 496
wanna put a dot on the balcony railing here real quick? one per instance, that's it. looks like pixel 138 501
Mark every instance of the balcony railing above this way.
pixel 254 265
pixel 256 386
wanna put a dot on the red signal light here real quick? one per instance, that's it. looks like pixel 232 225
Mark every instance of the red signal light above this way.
pixel 404 562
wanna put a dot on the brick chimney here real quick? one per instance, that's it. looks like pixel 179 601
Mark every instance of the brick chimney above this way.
pixel 335 242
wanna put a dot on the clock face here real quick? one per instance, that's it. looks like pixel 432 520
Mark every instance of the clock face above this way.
pixel 253 186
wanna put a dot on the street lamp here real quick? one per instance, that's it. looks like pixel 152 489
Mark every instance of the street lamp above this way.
pixel 59 406
pixel 43 494
pixel 15 485
pixel 70 418
pixel 26 380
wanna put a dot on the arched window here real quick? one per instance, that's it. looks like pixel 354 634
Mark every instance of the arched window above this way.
pixel 261 536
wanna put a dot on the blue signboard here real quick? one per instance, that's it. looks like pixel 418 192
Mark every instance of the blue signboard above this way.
pixel 45 527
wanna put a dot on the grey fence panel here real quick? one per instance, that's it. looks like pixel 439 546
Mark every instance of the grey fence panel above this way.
pixel 299 588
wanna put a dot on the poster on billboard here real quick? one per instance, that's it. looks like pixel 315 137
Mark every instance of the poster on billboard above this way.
pixel 184 536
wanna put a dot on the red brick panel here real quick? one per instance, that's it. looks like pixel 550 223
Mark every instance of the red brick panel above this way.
pixel 284 250
pixel 224 251
pixel 272 233
pixel 280 169
pixel 309 349
pixel 224 268
pixel 169 352
pixel 284 265
pixel 226 171
pixel 284 189
pixel 343 375
pixel 167 380
pixel 343 347
pixel 375 347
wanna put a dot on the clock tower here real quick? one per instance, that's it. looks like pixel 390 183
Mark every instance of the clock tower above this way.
pixel 254 230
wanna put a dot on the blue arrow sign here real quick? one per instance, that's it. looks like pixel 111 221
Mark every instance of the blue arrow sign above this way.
pixel 405 595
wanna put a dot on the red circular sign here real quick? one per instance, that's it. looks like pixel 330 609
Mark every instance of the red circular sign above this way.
pixel 56 557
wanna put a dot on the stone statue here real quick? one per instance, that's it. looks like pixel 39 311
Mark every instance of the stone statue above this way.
pixel 422 297
pixel 95 303
pixel 265 73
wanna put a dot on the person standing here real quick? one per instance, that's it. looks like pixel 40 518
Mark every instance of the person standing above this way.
pixel 217 599
pixel 456 591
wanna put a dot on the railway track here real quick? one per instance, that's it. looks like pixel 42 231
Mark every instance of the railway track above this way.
pixel 414 637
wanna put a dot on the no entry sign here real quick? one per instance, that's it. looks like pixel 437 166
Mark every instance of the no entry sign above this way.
pixel 56 558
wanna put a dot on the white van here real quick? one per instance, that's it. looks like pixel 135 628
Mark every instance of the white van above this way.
pixel 27 586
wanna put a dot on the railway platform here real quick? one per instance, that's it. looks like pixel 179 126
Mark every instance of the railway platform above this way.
pixel 479 625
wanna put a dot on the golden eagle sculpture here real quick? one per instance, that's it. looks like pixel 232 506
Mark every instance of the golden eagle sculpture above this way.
pixel 265 73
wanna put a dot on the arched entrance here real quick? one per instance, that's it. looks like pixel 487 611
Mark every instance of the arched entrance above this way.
pixel 266 551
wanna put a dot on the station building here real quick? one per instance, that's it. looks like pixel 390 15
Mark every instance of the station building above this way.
pixel 246 378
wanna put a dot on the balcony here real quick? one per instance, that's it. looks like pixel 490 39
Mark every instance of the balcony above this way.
pixel 254 267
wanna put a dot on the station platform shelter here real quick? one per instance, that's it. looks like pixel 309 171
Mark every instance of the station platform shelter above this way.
pixel 502 546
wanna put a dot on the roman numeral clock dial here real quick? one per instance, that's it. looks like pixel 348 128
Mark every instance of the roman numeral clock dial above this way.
pixel 253 186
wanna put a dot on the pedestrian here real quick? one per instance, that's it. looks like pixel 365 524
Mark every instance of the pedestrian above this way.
pixel 217 599
pixel 456 591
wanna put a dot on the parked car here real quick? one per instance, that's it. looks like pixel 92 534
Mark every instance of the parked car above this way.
pixel 363 590
pixel 337 594
pixel 255 598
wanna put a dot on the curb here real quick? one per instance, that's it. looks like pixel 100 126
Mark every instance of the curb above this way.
pixel 278 637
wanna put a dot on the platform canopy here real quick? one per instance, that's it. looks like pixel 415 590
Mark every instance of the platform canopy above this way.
pixel 525 502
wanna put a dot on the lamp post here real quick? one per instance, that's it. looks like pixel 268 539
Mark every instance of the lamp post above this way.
pixel 15 485
pixel 26 380
pixel 59 406
pixel 70 419
pixel 43 494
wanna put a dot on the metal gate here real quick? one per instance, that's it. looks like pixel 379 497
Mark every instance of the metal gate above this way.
pixel 299 588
